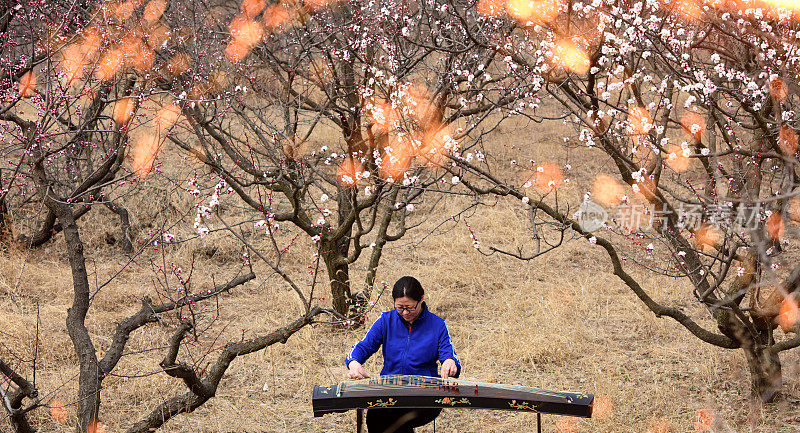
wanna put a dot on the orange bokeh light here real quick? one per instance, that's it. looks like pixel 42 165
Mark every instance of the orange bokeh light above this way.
pixel 691 10
pixel 123 10
pixel 568 55
pixel 251 8
pixel 73 63
pixel 639 120
pixel 775 226
pixel 157 36
pixel 395 160
pixel 491 8
pixel 276 15
pixel 602 407
pixel 559 297
pixel 246 31
pixel 526 10
pixel 548 176
pixel 199 91
pixel 110 64
pixel 144 59
pixel 27 84
pixel 790 5
pixel 92 40
pixel 179 64
pixel 236 51
pixel 788 314
pixel 218 81
pixel 566 424
pixel 703 420
pixel 794 209
pixel 435 144
pixel 154 10
pixel 95 426
pixel 417 105
pixel 144 154
pixel 315 4
pixel 123 110
pixel 677 160
pixel 778 90
pixel 787 140
pixel 58 411
pixel 607 190
pixel 166 116
pixel 645 188
pixel 660 426
pixel 693 125
pixel 707 237
pixel 384 116
pixel 130 47
pixel 349 172
pixel 520 9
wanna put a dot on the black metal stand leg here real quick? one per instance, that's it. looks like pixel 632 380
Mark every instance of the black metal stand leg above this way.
pixel 538 422
pixel 360 419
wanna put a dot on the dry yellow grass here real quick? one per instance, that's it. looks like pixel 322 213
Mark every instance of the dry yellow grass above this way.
pixel 562 321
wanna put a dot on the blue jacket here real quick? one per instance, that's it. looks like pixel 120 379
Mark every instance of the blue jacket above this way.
pixel 407 349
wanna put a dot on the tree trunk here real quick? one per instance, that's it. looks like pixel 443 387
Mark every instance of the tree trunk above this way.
pixel 336 251
pixel 5 222
pixel 339 276
pixel 90 376
pixel 124 220
pixel 765 372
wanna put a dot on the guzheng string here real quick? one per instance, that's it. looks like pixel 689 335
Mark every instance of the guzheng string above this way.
pixel 404 382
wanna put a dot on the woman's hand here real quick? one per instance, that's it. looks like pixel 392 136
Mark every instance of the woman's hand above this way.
pixel 356 371
pixel 449 368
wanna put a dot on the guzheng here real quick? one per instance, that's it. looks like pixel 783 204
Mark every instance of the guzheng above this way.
pixel 403 391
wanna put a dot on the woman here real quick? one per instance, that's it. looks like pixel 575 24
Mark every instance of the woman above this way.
pixel 413 339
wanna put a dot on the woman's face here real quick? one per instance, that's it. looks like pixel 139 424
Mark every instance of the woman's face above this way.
pixel 408 308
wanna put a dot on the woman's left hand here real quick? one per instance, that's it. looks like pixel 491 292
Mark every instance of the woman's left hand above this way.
pixel 449 368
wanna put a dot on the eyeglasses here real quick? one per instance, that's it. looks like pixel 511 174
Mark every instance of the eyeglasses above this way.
pixel 401 308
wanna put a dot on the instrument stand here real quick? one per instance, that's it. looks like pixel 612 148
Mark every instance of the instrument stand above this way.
pixel 360 421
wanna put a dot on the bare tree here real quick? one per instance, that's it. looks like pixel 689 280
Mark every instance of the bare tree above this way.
pixel 75 83
pixel 337 119
pixel 692 107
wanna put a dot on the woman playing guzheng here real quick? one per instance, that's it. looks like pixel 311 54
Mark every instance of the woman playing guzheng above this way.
pixel 413 340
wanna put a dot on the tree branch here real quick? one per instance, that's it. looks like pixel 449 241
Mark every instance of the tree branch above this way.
pixel 189 401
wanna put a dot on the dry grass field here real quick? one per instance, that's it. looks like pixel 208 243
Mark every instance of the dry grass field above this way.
pixel 562 322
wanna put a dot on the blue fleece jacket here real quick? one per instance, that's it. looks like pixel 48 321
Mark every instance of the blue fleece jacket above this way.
pixel 407 349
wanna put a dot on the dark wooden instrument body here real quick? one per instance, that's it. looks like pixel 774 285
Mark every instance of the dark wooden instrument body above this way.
pixel 433 392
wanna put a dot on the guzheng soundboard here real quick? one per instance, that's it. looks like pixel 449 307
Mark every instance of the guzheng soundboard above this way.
pixel 404 391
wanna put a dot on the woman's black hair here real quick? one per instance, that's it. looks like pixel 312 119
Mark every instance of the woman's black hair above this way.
pixel 408 286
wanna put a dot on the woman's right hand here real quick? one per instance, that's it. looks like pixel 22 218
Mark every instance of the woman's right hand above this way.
pixel 356 371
